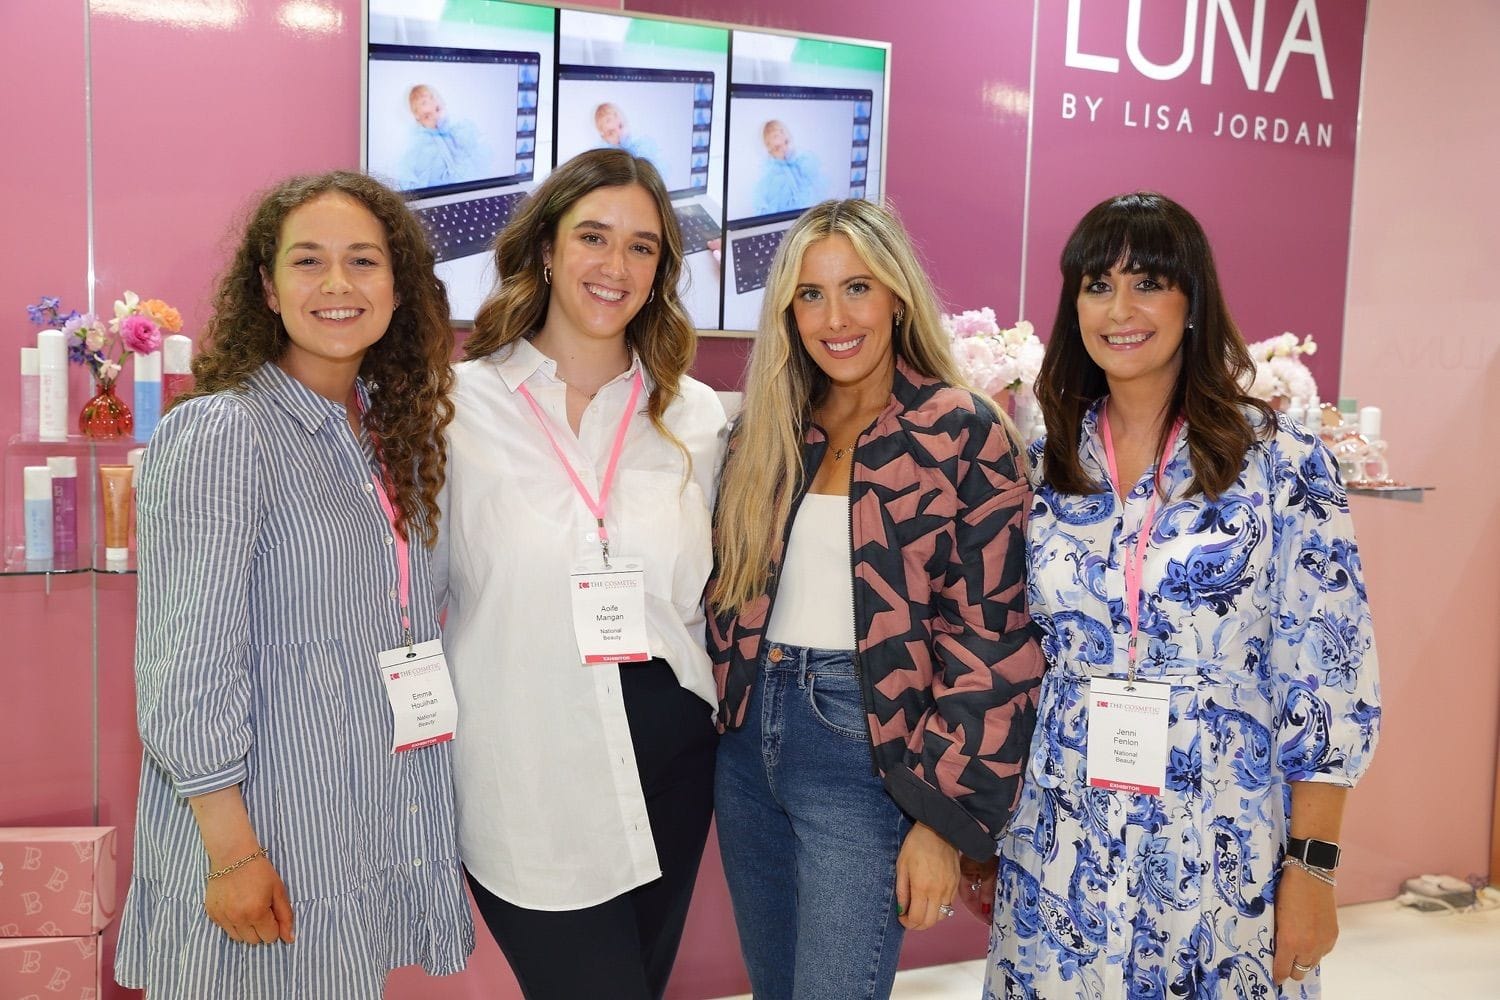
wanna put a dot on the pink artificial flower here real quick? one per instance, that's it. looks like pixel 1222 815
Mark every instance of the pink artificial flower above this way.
pixel 140 334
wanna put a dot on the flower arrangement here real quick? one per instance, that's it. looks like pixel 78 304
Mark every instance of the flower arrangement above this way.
pixel 994 360
pixel 136 328
pixel 1280 376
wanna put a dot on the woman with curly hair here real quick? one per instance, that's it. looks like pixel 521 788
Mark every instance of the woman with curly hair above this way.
pixel 581 465
pixel 296 834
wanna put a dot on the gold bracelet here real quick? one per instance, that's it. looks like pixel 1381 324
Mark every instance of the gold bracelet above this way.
pixel 242 862
pixel 1322 875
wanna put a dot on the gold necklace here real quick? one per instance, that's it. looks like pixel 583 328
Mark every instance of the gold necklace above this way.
pixel 839 453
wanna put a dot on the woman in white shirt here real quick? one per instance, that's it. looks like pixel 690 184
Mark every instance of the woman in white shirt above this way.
pixel 581 464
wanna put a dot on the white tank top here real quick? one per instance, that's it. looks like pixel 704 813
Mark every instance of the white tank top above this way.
pixel 814 604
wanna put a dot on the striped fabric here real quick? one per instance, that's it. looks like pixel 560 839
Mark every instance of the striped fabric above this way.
pixel 267 586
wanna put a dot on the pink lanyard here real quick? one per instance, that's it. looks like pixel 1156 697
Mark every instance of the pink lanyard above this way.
pixel 596 507
pixel 403 557
pixel 1135 560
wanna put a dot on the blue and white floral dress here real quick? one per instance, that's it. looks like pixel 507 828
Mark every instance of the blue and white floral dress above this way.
pixel 1254 606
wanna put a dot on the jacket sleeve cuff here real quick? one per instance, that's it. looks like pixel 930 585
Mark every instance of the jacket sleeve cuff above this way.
pixel 925 804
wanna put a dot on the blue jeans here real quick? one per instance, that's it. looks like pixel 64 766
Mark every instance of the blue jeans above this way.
pixel 808 835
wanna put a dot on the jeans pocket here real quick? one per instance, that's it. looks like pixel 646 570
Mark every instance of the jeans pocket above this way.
pixel 836 702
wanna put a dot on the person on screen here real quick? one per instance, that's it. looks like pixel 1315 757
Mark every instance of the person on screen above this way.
pixel 614 132
pixel 789 180
pixel 439 149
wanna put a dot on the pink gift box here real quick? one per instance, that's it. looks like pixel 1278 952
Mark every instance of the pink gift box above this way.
pixel 55 968
pixel 56 881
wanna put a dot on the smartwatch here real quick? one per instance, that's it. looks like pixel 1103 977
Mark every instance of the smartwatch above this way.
pixel 1313 853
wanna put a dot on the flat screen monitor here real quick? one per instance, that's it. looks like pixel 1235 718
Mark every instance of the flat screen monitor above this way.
pixel 807 123
pixel 458 105
pixel 657 89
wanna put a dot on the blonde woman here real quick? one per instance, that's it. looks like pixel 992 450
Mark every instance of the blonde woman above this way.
pixel 581 463
pixel 875 663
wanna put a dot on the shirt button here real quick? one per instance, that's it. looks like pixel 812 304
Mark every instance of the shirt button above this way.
pixel 592 536
pixel 416 863
pixel 393 595
pixel 414 808
pixel 389 540
pixel 369 487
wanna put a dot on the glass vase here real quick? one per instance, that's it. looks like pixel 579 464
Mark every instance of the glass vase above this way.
pixel 106 416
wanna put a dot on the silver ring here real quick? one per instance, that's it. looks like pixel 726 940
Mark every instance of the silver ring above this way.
pixel 1302 968
pixel 945 909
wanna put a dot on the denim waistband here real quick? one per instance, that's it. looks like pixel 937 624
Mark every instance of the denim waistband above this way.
pixel 805 660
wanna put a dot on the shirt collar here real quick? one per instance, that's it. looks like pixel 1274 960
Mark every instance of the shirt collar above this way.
pixel 304 406
pixel 518 361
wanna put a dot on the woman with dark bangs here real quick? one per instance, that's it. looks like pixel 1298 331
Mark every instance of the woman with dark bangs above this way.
pixel 1212 688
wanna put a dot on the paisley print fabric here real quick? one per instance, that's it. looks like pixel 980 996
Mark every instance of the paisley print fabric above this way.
pixel 1253 606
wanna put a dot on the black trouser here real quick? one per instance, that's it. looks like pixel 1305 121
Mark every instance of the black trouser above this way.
pixel 623 949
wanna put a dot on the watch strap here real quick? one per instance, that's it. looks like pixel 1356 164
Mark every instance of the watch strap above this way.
pixel 1314 853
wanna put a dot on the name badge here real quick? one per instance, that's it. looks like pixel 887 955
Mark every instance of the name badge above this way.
pixel 609 611
pixel 1127 748
pixel 421 695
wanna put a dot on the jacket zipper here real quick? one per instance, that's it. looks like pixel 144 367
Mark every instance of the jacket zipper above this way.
pixel 859 666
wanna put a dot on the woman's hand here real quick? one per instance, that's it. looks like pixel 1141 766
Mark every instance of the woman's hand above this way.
pixel 926 877
pixel 1307 924
pixel 978 891
pixel 250 904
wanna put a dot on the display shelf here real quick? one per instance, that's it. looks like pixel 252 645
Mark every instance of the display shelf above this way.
pixel 1411 494
pixel 91 454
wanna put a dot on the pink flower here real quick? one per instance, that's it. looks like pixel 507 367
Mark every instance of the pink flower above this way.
pixel 140 334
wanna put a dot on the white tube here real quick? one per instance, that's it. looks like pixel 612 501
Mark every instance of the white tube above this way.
pixel 52 424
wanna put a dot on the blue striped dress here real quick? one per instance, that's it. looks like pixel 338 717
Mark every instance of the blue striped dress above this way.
pixel 267 586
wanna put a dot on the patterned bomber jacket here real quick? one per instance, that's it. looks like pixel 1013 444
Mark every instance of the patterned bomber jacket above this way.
pixel 946 651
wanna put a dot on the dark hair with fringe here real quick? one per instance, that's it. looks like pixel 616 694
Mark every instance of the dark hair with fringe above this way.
pixel 408 370
pixel 1148 233
pixel 661 332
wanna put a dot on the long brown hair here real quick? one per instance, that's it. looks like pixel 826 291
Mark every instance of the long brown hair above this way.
pixel 1148 233
pixel 784 384
pixel 407 370
pixel 661 332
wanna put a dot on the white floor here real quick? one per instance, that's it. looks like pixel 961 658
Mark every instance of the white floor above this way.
pixel 1385 952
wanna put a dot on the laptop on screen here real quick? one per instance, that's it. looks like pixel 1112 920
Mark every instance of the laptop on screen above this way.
pixel 455 130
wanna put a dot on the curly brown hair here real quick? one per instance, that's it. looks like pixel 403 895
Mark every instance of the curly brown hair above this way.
pixel 1148 233
pixel 661 333
pixel 407 371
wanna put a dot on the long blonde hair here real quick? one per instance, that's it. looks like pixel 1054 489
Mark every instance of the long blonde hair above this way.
pixel 661 332
pixel 783 384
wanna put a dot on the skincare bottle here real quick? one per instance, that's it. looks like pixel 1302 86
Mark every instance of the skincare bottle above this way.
pixel 147 394
pixel 177 368
pixel 38 512
pixel 31 392
pixel 115 497
pixel 52 371
pixel 1369 422
pixel 64 470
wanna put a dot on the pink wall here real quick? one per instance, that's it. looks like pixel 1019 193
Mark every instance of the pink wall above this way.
pixel 1420 343
pixel 173 165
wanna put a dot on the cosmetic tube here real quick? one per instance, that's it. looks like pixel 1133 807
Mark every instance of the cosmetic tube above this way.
pixel 38 512
pixel 52 386
pixel 147 394
pixel 115 494
pixel 64 471
pixel 177 368
pixel 31 392
pixel 1369 422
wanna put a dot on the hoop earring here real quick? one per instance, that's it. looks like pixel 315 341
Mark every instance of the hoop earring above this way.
pixel 900 316
pixel 547 273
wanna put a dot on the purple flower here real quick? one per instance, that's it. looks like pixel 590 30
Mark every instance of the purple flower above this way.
pixel 78 354
pixel 140 334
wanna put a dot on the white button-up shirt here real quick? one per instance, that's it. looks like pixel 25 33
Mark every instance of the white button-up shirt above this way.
pixel 551 812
